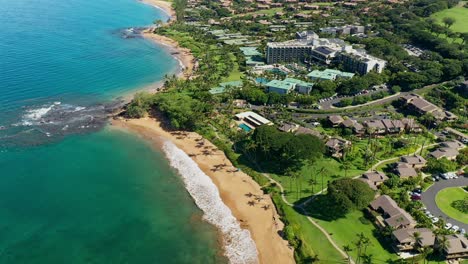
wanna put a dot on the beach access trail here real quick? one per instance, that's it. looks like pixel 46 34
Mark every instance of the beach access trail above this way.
pixel 254 210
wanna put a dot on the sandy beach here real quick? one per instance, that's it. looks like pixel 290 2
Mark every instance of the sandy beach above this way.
pixel 163 5
pixel 254 210
pixel 183 55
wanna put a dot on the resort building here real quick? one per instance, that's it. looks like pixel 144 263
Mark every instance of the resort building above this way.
pixel 337 146
pixel 448 153
pixel 343 30
pixel 415 161
pixel 288 127
pixel 391 214
pixel 361 62
pixel 335 120
pixel 250 120
pixel 373 179
pixel 301 87
pixel 329 75
pixel 421 106
pixel 280 87
pixel 404 170
pixel 457 247
pixel 354 125
pixel 308 47
pixel 404 239
pixel 252 56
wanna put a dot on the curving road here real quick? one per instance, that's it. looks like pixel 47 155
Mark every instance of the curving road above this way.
pixel 428 198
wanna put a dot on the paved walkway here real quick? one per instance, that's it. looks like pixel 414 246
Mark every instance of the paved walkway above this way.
pixel 428 199
pixel 311 220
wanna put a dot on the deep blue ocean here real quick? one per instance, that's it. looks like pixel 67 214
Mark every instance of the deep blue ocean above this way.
pixel 71 190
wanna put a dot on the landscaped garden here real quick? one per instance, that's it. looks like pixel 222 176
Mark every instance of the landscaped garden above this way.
pixel 453 202
pixel 459 13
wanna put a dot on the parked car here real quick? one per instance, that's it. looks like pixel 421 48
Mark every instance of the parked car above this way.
pixel 455 228
pixel 435 220
pixel 416 197
pixel 463 231
pixel 448 225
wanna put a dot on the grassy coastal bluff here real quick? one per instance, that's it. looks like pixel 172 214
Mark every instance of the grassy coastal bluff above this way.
pixel 317 132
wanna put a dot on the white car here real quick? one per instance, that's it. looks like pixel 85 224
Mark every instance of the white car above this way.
pixel 448 225
pixel 455 228
pixel 427 212
pixel 435 220
pixel 462 231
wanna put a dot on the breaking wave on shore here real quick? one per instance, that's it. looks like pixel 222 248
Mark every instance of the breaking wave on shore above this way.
pixel 238 244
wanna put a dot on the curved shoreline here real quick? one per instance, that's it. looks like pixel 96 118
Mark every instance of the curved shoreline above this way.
pixel 237 190
pixel 260 219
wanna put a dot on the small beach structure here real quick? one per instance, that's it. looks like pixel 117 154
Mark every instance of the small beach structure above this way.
pixel 250 120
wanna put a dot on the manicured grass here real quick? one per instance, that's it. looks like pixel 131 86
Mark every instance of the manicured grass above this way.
pixel 459 13
pixel 344 231
pixel 235 74
pixel 313 240
pixel 446 196
pixel 309 180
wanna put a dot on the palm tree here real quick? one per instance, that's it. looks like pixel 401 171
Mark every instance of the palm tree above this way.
pixel 448 21
pixel 347 249
pixel 442 244
pixel 417 242
pixel 425 251
pixel 345 165
pixel 367 259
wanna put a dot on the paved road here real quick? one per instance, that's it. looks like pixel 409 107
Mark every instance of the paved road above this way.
pixel 428 198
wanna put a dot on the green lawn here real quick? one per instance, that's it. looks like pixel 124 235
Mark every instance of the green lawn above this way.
pixel 459 13
pixel 309 180
pixel 314 242
pixel 447 196
pixel 235 74
pixel 344 231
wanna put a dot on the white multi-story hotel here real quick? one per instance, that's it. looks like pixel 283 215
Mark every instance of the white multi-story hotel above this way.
pixel 309 47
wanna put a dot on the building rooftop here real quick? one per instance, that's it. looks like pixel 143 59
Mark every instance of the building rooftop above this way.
pixel 457 244
pixel 280 85
pixel 298 82
pixel 406 235
pixel 250 51
pixel 316 74
pixel 413 160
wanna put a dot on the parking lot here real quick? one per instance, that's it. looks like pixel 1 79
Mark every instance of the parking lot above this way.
pixel 428 199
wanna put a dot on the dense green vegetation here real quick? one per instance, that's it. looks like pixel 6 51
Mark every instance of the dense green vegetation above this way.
pixel 297 161
pixel 284 152
pixel 343 196
pixel 442 165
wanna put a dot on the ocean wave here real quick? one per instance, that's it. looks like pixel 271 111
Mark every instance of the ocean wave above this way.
pixel 238 244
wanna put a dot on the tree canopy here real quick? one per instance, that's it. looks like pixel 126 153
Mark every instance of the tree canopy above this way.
pixel 345 195
pixel 286 150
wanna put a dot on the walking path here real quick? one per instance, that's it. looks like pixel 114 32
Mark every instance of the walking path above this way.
pixel 311 220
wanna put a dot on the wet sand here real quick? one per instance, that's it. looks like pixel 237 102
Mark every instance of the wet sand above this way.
pixel 254 210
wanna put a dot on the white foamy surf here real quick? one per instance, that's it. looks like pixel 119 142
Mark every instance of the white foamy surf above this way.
pixel 239 246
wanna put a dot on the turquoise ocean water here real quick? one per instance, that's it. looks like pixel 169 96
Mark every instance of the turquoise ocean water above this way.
pixel 96 197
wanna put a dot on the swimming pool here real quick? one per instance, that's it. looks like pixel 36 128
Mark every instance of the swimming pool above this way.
pixel 245 127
